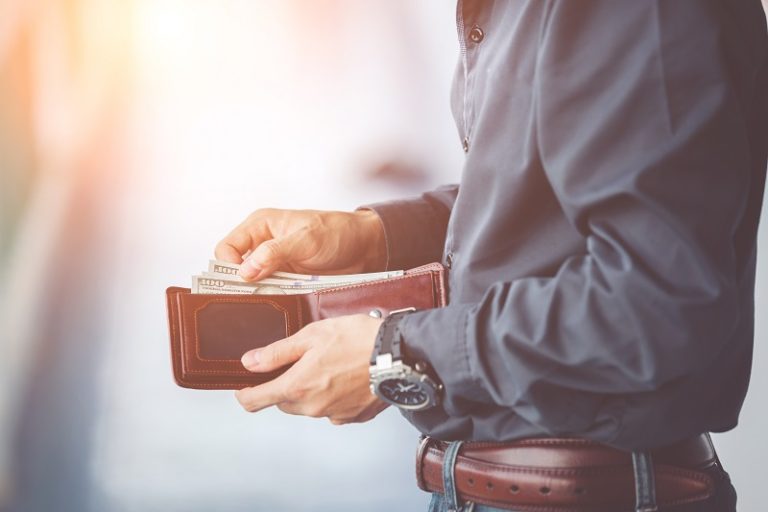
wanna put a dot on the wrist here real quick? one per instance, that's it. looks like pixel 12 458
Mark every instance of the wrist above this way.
pixel 394 378
pixel 373 240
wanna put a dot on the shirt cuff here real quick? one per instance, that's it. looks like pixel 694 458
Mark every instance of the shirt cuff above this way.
pixel 438 338
pixel 414 232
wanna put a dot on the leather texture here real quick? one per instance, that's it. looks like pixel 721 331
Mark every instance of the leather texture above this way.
pixel 209 333
pixel 566 475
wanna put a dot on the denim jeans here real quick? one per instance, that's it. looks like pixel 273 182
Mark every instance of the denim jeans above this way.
pixel 723 499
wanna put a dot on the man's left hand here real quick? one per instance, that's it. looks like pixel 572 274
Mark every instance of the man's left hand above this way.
pixel 329 377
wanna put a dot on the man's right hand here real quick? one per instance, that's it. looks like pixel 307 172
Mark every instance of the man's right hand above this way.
pixel 306 241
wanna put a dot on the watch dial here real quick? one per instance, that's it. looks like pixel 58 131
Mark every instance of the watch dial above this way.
pixel 403 392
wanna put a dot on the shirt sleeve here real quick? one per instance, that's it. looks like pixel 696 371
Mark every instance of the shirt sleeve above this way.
pixel 415 228
pixel 642 138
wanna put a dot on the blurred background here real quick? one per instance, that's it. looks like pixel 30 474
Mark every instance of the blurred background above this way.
pixel 134 134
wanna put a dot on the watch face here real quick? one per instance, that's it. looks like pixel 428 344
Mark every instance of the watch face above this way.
pixel 403 392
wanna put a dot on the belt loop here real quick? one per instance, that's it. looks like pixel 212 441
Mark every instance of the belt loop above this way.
pixel 645 483
pixel 449 475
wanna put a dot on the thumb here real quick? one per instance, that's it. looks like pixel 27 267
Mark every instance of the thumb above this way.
pixel 269 256
pixel 273 356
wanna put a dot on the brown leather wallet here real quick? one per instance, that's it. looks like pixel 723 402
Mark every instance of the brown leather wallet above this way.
pixel 210 333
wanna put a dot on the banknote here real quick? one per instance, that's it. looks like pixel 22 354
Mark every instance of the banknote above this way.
pixel 222 278
pixel 214 285
pixel 225 267
pixel 291 283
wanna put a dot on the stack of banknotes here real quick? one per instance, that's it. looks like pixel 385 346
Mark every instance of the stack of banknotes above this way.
pixel 222 277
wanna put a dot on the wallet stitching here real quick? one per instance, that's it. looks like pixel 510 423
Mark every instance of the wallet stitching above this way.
pixel 300 315
pixel 227 385
pixel 230 300
pixel 175 339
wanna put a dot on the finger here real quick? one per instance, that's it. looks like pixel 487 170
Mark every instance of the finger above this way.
pixel 262 396
pixel 274 356
pixel 270 255
pixel 310 410
pixel 234 245
pixel 243 239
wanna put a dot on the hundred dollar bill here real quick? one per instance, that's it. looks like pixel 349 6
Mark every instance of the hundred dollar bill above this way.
pixel 212 285
pixel 225 267
pixel 289 283
pixel 276 281
pixel 282 283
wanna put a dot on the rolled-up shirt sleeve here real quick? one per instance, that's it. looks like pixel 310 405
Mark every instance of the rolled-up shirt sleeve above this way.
pixel 415 228
pixel 643 143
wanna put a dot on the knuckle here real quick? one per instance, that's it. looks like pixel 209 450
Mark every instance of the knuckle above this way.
pixel 263 215
pixel 273 355
pixel 314 220
pixel 222 245
pixel 245 401
pixel 271 249
pixel 325 383
pixel 258 213
pixel 295 393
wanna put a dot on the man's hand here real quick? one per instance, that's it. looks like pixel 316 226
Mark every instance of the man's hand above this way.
pixel 329 377
pixel 306 241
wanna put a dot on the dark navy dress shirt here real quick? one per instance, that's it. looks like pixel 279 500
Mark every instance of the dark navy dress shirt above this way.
pixel 601 242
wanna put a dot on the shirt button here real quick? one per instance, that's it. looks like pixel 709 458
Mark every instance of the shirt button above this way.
pixel 476 35
pixel 465 144
pixel 448 260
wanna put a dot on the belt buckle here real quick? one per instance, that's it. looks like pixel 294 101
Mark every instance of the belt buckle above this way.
pixel 424 442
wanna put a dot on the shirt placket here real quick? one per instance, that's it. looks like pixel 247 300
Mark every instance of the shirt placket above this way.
pixel 470 36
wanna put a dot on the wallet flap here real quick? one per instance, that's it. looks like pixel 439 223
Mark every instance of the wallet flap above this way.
pixel 210 333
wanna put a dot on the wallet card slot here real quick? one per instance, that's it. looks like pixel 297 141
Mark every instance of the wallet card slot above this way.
pixel 216 330
pixel 226 330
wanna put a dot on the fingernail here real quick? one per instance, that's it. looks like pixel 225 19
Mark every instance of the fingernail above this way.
pixel 249 269
pixel 250 359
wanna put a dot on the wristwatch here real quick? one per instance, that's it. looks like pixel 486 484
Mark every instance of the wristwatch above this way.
pixel 407 385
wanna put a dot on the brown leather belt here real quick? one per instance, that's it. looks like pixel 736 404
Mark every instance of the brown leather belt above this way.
pixel 558 475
